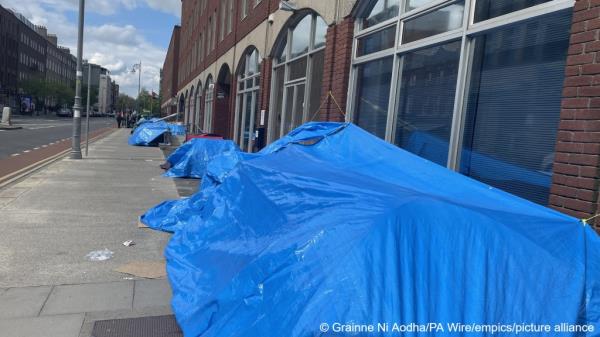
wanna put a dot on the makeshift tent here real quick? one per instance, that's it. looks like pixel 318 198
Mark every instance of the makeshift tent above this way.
pixel 191 158
pixel 171 215
pixel 150 133
pixel 347 228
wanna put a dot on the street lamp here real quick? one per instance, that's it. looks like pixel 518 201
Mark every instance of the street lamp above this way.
pixel 76 144
pixel 138 67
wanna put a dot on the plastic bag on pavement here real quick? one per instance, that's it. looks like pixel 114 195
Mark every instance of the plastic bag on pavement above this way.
pixel 100 255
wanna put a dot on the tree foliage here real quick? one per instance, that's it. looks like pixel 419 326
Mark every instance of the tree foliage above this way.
pixel 39 89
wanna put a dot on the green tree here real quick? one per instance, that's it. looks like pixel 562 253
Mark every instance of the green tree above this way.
pixel 125 102
pixel 148 105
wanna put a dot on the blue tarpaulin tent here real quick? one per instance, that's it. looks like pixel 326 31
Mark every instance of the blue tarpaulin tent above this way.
pixel 191 158
pixel 346 228
pixel 149 133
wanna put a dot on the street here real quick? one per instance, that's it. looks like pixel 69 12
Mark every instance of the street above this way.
pixel 39 132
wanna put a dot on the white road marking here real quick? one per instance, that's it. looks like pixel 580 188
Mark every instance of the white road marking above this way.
pixel 36 148
pixel 15 154
pixel 26 151
pixel 44 145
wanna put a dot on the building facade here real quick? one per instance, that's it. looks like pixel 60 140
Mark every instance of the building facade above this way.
pixel 29 54
pixel 9 58
pixel 503 91
pixel 32 51
pixel 169 76
pixel 105 94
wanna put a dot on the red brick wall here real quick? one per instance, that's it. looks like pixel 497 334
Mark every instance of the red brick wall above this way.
pixel 171 70
pixel 338 56
pixel 240 28
pixel 577 162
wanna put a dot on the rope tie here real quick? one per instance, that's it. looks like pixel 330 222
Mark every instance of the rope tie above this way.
pixel 329 94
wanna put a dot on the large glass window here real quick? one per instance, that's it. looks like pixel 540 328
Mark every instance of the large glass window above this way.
pixel 247 100
pixel 482 99
pixel 488 9
pixel 426 101
pixel 380 11
pixel 298 75
pixel 439 21
pixel 514 106
pixel 373 97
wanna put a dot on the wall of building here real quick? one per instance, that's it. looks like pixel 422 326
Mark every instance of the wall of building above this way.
pixel 9 58
pixel 576 177
pixel 170 72
pixel 260 29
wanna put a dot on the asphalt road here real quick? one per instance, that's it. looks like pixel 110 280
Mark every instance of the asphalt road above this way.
pixel 40 132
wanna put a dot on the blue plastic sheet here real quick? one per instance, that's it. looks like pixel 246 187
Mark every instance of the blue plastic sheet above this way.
pixel 191 158
pixel 149 133
pixel 346 228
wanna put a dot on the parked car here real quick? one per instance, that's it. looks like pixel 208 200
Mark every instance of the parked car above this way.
pixel 65 112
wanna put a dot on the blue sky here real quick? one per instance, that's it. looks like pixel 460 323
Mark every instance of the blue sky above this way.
pixel 118 33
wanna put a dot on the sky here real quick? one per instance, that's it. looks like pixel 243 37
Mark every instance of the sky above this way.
pixel 118 33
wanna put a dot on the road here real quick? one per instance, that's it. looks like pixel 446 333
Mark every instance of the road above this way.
pixel 41 132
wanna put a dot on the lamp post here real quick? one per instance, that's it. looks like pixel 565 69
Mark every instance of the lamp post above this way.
pixel 138 67
pixel 76 144
pixel 87 117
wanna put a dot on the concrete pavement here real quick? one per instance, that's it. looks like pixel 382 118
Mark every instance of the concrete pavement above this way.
pixel 51 220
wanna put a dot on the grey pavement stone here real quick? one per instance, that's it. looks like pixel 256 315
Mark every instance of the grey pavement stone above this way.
pixel 75 207
pixel 6 201
pixel 89 297
pixel 13 192
pixel 152 293
pixel 48 326
pixel 23 302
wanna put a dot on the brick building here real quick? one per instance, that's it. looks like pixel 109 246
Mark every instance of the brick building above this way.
pixel 504 91
pixel 170 70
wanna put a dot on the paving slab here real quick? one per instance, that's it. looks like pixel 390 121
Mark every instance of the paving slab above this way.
pixel 72 207
pixel 89 297
pixel 152 293
pixel 48 326
pixel 23 302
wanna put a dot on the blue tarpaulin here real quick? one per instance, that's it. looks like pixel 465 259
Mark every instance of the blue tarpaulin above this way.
pixel 149 133
pixel 345 228
pixel 191 158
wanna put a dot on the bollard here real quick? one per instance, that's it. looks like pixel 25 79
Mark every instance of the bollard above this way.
pixel 6 112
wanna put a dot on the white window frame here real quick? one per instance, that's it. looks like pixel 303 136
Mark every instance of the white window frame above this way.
pixel 465 34
pixel 287 83
pixel 241 101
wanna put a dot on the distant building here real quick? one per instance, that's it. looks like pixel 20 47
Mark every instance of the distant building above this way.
pixel 28 53
pixel 32 61
pixel 96 71
pixel 105 94
pixel 169 77
pixel 9 58
pixel 115 96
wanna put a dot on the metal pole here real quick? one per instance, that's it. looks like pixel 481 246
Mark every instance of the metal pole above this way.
pixel 139 88
pixel 76 145
pixel 87 129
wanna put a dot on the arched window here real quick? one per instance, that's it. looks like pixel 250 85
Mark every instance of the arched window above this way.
pixel 198 116
pixel 248 82
pixel 189 120
pixel 297 74
pixel 208 104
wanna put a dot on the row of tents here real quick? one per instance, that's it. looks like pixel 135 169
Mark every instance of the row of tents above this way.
pixel 331 225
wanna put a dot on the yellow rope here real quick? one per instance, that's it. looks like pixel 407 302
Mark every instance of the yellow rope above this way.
pixel 329 94
pixel 587 221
